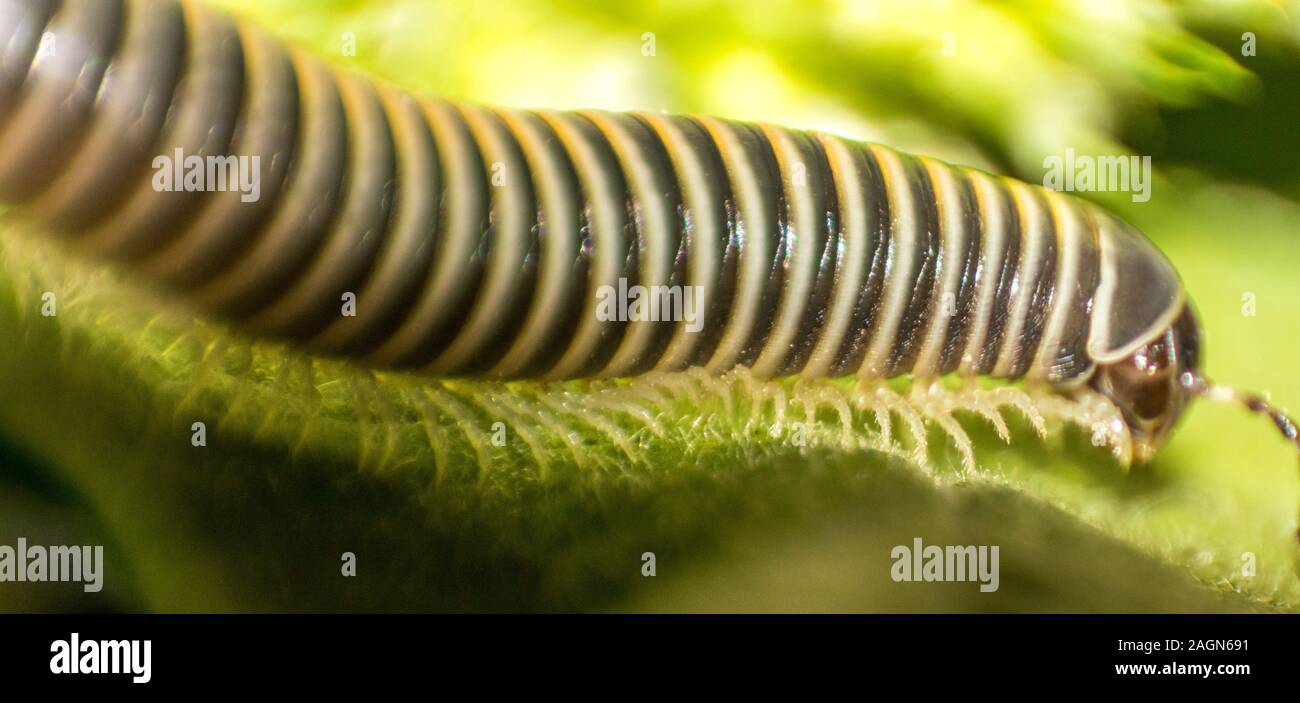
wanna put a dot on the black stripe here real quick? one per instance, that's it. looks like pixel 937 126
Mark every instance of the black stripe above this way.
pixel 880 248
pixel 926 270
pixel 821 186
pixel 959 326
pixel 437 340
pixel 1043 292
pixel 722 296
pixel 1071 358
pixel 760 158
pixel 494 347
pixel 1008 283
pixel 563 322
pixel 667 191
pixel 383 322
pixel 611 332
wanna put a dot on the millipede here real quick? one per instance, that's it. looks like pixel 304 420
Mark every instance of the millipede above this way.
pixel 474 240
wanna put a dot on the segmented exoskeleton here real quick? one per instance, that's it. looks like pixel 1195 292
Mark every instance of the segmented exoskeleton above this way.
pixel 478 241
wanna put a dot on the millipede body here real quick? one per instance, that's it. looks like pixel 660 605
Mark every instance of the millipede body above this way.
pixel 481 242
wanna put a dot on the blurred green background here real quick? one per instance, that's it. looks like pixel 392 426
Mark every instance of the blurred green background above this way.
pixel 308 459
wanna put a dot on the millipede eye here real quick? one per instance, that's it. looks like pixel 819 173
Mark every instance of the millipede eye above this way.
pixel 1153 358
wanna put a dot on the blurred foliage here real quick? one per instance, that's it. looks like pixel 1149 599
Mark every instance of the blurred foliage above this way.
pixel 309 458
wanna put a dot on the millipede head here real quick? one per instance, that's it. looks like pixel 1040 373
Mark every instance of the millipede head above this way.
pixel 1152 385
